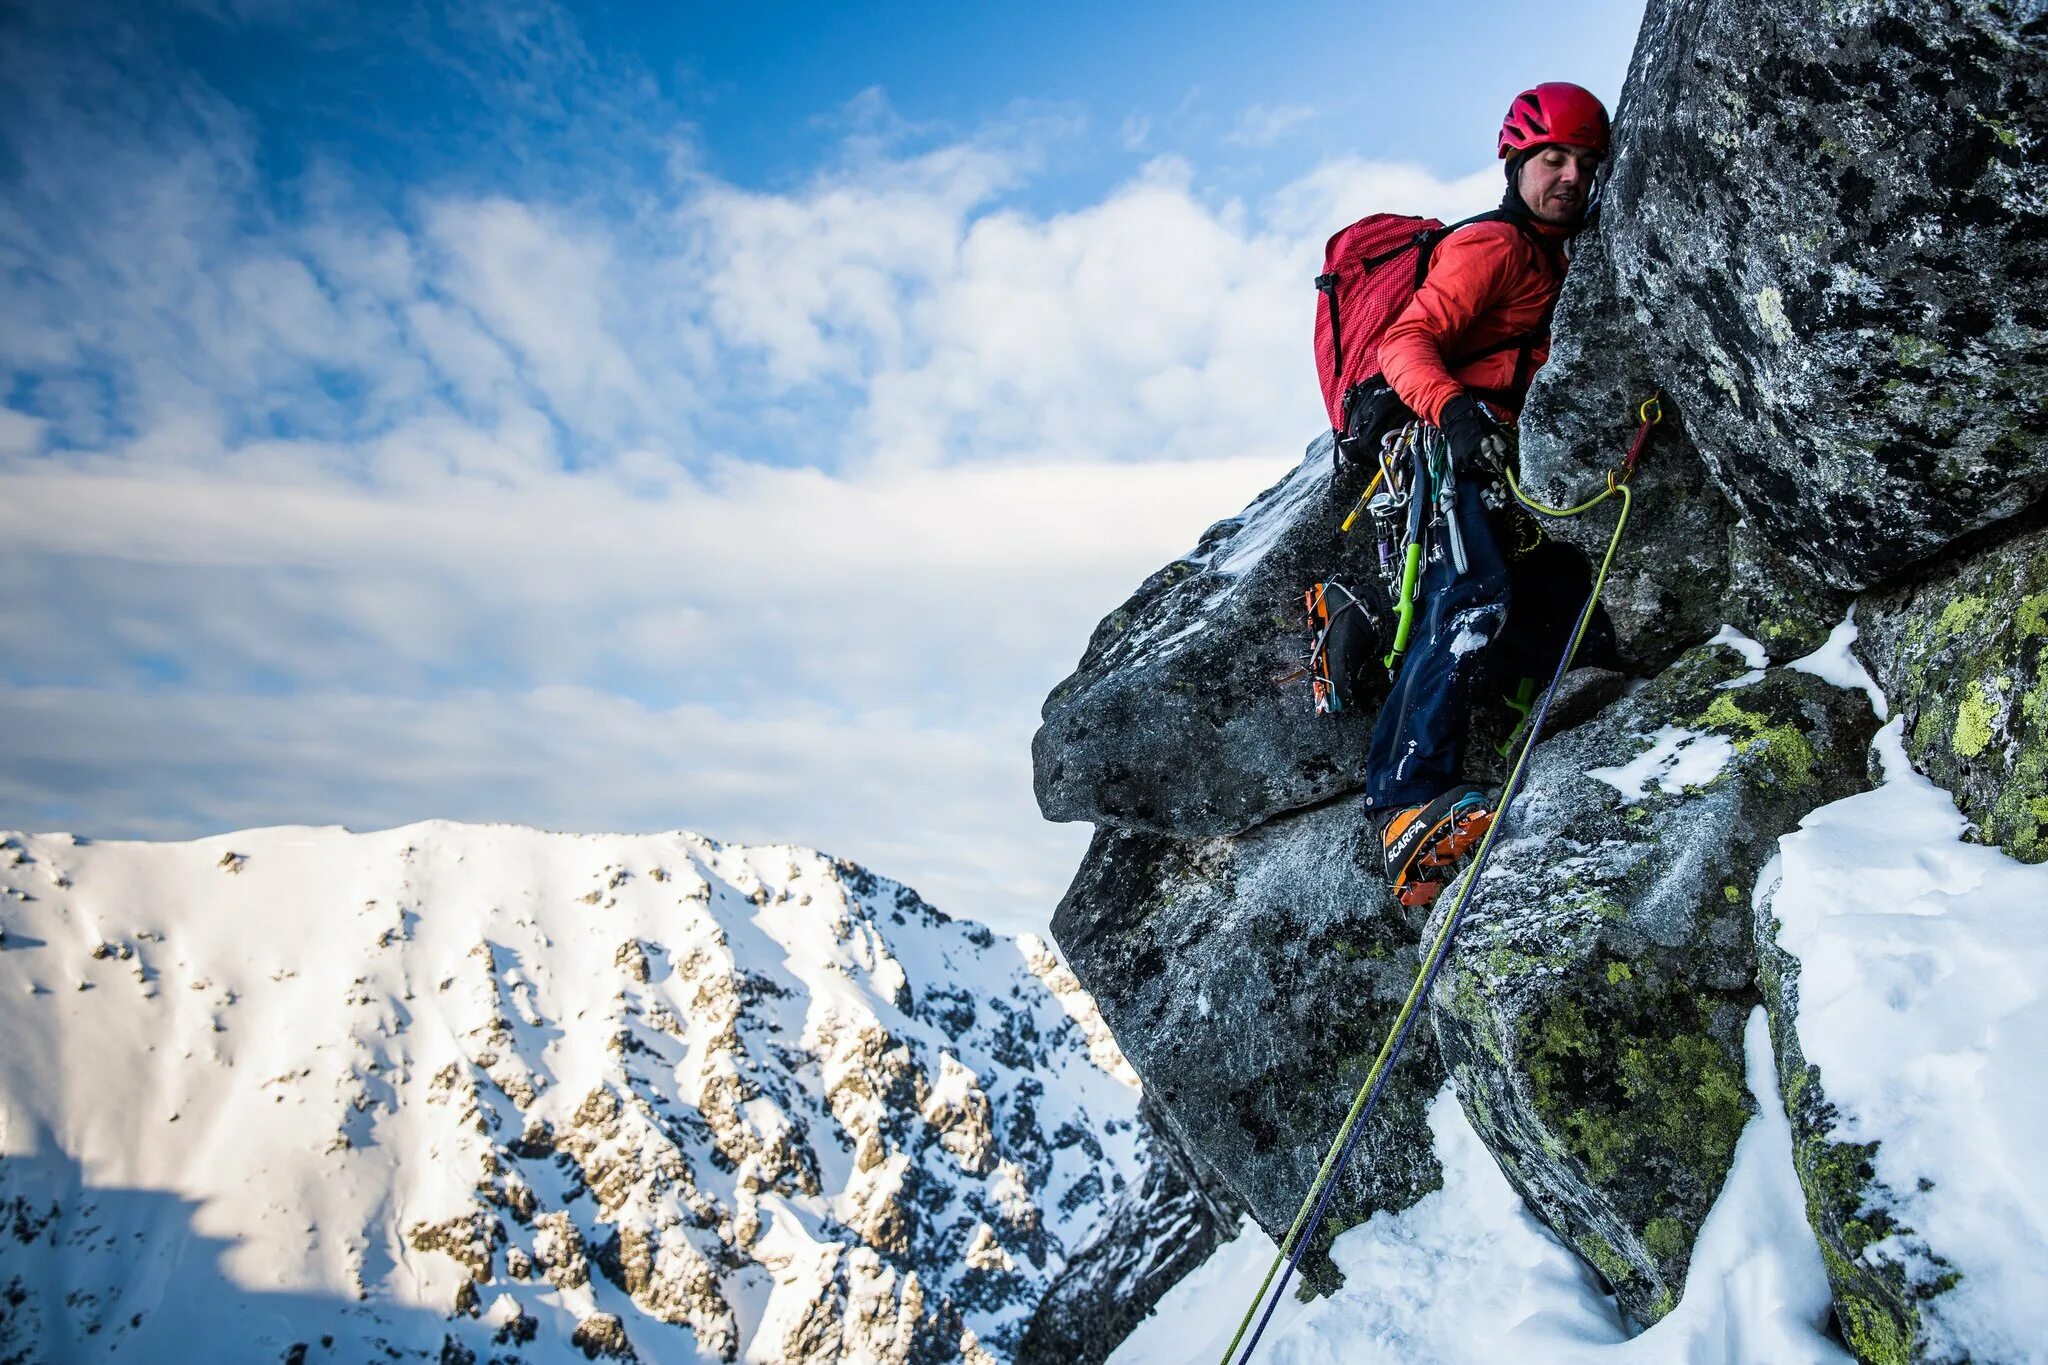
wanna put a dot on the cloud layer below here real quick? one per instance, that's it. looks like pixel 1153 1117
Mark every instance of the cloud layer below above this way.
pixel 771 513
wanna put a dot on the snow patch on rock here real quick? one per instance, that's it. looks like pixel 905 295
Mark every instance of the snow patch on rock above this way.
pixel 1923 1002
pixel 1468 1276
pixel 1676 759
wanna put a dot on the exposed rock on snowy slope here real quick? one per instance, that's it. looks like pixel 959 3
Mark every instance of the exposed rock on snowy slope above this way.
pixel 1823 239
pixel 1593 1014
pixel 1964 659
pixel 1177 720
pixel 1906 973
pixel 1221 961
pixel 483 1092
pixel 1155 1236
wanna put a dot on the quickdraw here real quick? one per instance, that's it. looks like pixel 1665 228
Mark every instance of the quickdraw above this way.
pixel 1648 416
pixel 1412 482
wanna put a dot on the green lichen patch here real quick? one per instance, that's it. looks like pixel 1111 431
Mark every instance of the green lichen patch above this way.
pixel 1960 614
pixel 1917 352
pixel 1964 659
pixel 2031 616
pixel 1666 1238
pixel 1785 752
pixel 1877 1298
pixel 1880 1272
pixel 1605 1259
pixel 1639 1081
pixel 1975 715
pixel 1632 1078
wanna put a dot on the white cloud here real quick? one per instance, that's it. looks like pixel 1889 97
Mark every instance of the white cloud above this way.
pixel 773 513
pixel 1262 125
pixel 1154 324
pixel 550 294
pixel 797 575
pixel 20 434
pixel 763 653
pixel 1339 191
pixel 817 280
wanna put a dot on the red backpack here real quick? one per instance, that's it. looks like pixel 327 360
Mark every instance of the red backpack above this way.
pixel 1368 278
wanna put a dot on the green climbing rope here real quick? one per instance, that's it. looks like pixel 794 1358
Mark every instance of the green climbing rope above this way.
pixel 1289 1252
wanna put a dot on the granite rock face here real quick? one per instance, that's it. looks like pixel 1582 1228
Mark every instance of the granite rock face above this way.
pixel 1830 226
pixel 1665 592
pixel 1963 658
pixel 1592 1014
pixel 1219 962
pixel 1179 719
pixel 1824 239
pixel 1782 607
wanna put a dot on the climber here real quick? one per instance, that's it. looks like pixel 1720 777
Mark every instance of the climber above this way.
pixel 1488 283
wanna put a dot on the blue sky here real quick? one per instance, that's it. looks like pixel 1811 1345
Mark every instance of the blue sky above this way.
pixel 633 416
pixel 765 89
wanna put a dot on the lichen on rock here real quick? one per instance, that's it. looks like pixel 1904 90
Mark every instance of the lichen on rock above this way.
pixel 1963 657
pixel 1838 290
pixel 1592 1010
pixel 1880 1271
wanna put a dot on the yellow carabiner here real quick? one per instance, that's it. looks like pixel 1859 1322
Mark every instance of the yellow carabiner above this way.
pixel 1363 498
pixel 1652 410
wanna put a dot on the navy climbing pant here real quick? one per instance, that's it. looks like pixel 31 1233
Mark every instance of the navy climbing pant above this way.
pixel 1499 621
pixel 1418 743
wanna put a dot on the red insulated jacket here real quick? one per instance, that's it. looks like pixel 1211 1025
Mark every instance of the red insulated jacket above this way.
pixel 1487 282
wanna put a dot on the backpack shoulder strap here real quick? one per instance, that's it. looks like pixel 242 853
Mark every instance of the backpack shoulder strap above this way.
pixel 1549 252
pixel 1546 251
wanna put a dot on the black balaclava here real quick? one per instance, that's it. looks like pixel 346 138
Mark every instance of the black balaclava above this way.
pixel 1512 200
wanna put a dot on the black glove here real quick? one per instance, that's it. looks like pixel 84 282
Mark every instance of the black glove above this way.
pixel 1477 441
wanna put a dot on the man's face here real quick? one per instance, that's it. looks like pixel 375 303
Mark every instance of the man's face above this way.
pixel 1556 180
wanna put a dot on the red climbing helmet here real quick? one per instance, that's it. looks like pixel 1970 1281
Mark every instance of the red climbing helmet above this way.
pixel 1555 111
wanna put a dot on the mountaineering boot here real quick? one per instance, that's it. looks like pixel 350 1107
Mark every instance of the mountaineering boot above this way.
pixel 1423 845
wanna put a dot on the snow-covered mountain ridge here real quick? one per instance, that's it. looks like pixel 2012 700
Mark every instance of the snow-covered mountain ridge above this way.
pixel 481 1092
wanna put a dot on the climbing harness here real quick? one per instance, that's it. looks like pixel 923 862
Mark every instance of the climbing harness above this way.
pixel 1413 492
pixel 1324 1186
